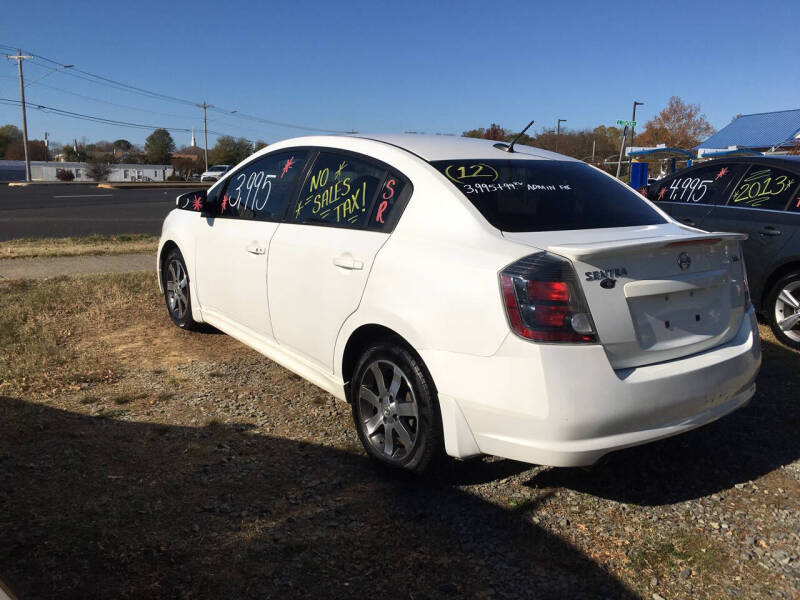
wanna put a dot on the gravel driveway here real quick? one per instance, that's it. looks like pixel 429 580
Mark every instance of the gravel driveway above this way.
pixel 143 461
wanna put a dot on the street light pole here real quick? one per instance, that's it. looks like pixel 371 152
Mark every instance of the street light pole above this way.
pixel 19 57
pixel 204 106
pixel 558 131
pixel 633 127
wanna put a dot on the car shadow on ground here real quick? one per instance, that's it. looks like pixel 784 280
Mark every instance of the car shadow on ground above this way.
pixel 745 445
pixel 93 507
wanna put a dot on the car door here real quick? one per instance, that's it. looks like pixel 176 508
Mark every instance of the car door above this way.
pixel 755 206
pixel 689 196
pixel 232 248
pixel 321 256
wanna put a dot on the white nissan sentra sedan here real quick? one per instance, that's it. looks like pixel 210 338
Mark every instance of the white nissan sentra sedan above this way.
pixel 466 298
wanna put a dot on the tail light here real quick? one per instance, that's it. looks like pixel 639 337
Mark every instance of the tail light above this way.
pixel 544 301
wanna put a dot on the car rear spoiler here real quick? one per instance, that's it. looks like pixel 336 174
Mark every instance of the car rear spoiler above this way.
pixel 581 252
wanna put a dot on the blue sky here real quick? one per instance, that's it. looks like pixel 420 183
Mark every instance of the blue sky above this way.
pixel 399 66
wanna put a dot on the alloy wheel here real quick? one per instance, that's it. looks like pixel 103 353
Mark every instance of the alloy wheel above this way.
pixel 787 310
pixel 177 289
pixel 389 410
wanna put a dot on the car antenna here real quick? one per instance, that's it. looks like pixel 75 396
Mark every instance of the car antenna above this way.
pixel 510 147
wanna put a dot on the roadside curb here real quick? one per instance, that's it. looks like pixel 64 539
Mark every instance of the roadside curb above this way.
pixel 118 186
pixel 166 184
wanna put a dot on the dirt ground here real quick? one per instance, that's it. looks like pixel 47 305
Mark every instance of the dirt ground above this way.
pixel 141 461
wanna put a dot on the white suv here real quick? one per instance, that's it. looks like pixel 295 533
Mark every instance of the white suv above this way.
pixel 468 298
pixel 214 172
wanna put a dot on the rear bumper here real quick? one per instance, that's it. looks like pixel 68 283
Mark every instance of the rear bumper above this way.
pixel 566 406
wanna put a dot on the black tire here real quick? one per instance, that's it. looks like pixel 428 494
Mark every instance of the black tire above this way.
pixel 415 431
pixel 777 309
pixel 177 297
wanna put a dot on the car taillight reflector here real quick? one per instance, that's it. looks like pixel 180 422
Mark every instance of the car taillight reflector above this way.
pixel 544 301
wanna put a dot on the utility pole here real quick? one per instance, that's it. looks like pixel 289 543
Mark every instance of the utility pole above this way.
pixel 593 144
pixel 558 131
pixel 204 106
pixel 19 57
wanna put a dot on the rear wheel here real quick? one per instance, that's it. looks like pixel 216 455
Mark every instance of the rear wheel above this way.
pixel 395 410
pixel 176 290
pixel 783 310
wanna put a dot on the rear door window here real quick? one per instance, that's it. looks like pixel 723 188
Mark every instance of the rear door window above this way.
pixel 547 195
pixel 339 190
pixel 261 189
pixel 703 185
pixel 794 204
pixel 388 204
pixel 764 187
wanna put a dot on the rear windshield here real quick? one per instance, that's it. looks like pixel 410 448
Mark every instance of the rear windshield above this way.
pixel 546 195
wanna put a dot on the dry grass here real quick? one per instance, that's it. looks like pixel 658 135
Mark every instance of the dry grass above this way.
pixel 44 326
pixel 133 243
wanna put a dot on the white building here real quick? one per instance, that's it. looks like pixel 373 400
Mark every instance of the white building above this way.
pixel 47 171
pixel 14 170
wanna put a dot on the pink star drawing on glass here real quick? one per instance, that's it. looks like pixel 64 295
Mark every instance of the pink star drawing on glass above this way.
pixel 287 166
pixel 722 172
pixel 224 202
pixel 198 203
pixel 662 192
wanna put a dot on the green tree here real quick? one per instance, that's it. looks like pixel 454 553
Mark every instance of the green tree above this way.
pixel 122 145
pixel 229 151
pixel 259 145
pixel 158 147
pixel 8 134
pixel 71 155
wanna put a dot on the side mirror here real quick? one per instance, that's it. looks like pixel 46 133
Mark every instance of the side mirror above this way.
pixel 197 202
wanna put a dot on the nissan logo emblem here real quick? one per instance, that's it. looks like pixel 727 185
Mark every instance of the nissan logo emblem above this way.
pixel 684 261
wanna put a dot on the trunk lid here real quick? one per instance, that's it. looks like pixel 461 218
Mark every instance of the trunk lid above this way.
pixel 657 292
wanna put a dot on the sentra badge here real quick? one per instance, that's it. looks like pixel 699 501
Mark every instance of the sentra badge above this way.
pixel 608 274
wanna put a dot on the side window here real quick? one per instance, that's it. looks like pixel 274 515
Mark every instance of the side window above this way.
pixel 704 185
pixel 794 205
pixel 389 196
pixel 764 187
pixel 339 190
pixel 261 189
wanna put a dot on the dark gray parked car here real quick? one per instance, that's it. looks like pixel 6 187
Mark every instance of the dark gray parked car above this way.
pixel 759 196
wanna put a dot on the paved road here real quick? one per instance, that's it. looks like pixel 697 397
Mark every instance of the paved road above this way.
pixel 66 210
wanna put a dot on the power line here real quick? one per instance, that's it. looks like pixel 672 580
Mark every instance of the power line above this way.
pixel 96 119
pixel 99 79
pixel 103 120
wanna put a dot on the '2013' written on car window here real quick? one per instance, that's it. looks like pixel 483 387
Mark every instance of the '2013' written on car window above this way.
pixel 757 188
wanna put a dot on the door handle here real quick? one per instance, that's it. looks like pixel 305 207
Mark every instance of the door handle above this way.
pixel 769 230
pixel 689 222
pixel 348 262
pixel 256 248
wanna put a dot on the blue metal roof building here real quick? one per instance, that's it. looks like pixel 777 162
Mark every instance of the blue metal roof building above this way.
pixel 760 131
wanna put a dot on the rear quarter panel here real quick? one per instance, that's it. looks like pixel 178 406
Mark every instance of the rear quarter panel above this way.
pixel 435 281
